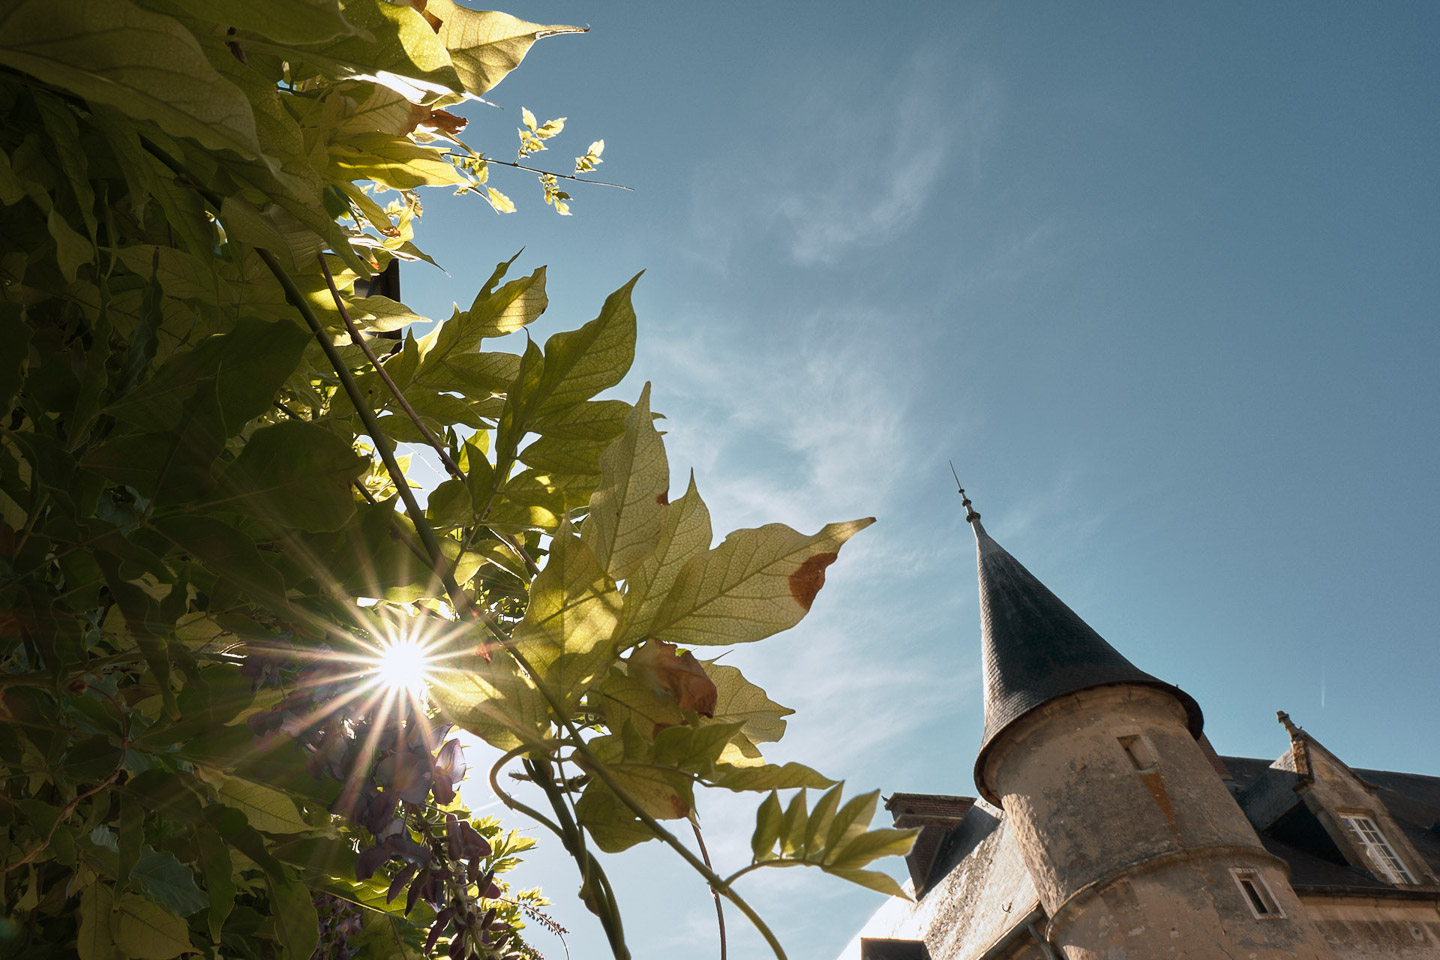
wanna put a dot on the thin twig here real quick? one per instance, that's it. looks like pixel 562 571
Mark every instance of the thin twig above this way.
pixel 360 341
pixel 719 907
pixel 69 808
pixel 546 173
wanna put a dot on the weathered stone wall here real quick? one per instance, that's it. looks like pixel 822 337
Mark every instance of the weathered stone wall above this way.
pixel 1377 929
pixel 986 892
pixel 1130 836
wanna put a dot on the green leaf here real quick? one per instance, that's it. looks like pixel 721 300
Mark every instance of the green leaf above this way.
pixel 168 882
pixel 229 554
pixel 658 788
pixel 72 249
pixel 296 475
pixel 16 332
pixel 792 826
pixel 819 822
pixel 755 583
pixel 11 189
pixel 62 128
pixel 243 222
pixel 146 65
pixel 608 821
pixel 219 876
pixel 95 941
pixel 872 845
pixel 873 879
pixel 768 777
pixel 398 49
pixel 566 630
pixel 739 699
pixel 768 824
pixel 850 821
pixel 148 931
pixel 628 509
pixel 486 44
pixel 581 363
pixel 623 699
pixel 298 921
pixel 287 21
pixel 492 699
pixel 240 372
pixel 266 809
pixel 514 306
pixel 685 534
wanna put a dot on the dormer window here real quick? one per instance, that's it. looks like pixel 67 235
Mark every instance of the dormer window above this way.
pixel 1378 851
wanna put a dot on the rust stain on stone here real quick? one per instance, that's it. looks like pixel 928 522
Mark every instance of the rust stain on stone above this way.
pixel 1156 786
pixel 807 581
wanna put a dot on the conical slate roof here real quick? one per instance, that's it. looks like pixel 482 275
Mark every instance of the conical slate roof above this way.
pixel 1036 649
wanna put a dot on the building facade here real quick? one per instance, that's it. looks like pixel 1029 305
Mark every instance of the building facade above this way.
pixel 1107 828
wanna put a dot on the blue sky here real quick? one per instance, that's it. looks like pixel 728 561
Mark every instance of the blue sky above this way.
pixel 1163 281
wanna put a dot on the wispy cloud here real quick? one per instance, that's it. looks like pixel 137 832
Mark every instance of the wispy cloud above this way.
pixel 847 170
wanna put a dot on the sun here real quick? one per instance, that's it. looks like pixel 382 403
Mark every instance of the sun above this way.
pixel 403 666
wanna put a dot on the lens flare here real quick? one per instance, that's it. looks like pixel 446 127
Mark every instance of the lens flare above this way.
pixel 403 665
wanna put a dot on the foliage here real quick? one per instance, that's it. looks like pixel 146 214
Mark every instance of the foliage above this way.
pixel 207 539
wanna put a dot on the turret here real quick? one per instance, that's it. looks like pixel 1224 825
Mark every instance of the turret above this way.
pixel 1135 846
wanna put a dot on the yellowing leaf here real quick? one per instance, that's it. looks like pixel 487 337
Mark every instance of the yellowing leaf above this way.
pixel 739 699
pixel 485 45
pixel 499 201
pixel 527 117
pixel 756 583
pixel 394 161
pixel 627 510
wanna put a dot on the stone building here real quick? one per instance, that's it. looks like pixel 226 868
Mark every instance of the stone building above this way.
pixel 1107 828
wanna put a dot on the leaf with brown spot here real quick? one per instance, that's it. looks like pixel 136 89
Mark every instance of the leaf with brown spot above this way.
pixel 756 583
pixel 807 581
pixel 661 666
pixel 445 122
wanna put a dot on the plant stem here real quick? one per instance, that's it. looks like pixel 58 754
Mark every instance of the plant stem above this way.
pixel 359 340
pixel 719 907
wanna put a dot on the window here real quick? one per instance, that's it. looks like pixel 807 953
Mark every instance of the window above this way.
pixel 1257 895
pixel 1378 851
pixel 1138 749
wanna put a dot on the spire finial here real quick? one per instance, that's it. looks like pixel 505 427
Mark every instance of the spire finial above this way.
pixel 971 514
